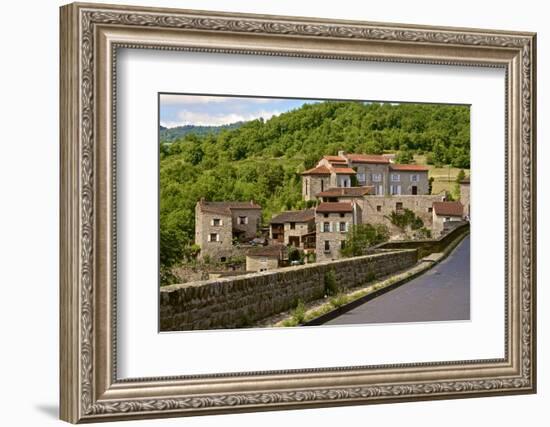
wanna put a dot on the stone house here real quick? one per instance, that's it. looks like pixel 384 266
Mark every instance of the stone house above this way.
pixel 219 224
pixel 333 220
pixel 263 258
pixel 465 196
pixel 294 228
pixel 444 212
pixel 361 170
pixel 408 179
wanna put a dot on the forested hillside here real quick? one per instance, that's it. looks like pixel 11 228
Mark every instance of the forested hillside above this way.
pixel 175 133
pixel 263 160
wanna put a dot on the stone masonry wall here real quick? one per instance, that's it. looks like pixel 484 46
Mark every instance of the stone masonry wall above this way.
pixel 376 209
pixel 243 300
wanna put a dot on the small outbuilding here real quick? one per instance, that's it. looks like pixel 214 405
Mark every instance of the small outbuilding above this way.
pixel 265 258
pixel 443 213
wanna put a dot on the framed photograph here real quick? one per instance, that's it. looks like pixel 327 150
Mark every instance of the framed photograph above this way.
pixel 267 212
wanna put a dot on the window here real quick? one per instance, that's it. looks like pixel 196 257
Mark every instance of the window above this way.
pixel 216 222
pixel 378 208
pixel 447 218
pixel 377 177
pixel 430 209
pixel 414 178
pixel 223 259
pixel 398 207
pixel 325 215
pixel 395 177
pixel 327 246
pixel 322 185
pixel 243 220
pixel 293 226
pixel 395 189
pixel 361 177
pixel 326 227
pixel 214 237
pixel 342 227
pixel 342 215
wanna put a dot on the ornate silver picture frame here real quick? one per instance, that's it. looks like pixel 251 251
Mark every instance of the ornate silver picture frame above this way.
pixel 91 390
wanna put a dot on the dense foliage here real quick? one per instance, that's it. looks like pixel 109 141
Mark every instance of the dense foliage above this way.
pixel 175 133
pixel 363 236
pixel 262 160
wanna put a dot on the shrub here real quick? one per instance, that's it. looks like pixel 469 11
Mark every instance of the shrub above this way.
pixel 406 219
pixel 371 275
pixel 299 313
pixel 339 300
pixel 331 288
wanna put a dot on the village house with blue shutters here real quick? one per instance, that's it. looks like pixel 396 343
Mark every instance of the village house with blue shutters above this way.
pixel 348 189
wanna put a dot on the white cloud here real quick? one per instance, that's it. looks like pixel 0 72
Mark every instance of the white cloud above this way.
pixel 207 119
pixel 173 99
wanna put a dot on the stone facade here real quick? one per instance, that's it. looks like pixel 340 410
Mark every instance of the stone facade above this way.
pixel 408 182
pixel 376 209
pixel 331 232
pixel 375 175
pixel 213 233
pixel 313 184
pixel 240 301
pixel 269 257
pixel 293 228
pixel 246 222
pixel 219 224
pixel 261 263
pixel 444 213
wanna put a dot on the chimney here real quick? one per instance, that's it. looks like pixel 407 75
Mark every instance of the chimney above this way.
pixel 341 153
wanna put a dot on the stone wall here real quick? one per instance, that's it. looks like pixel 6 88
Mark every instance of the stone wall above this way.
pixel 377 208
pixel 241 301
pixel 428 246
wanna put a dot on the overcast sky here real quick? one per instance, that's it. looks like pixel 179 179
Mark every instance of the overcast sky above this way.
pixel 178 110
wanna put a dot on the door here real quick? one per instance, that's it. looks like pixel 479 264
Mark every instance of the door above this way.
pixel 414 189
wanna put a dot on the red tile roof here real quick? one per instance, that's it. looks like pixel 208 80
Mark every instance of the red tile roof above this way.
pixel 335 159
pixel 412 168
pixel 319 170
pixel 294 216
pixel 448 208
pixel 328 207
pixel 346 192
pixel 367 158
pixel 344 171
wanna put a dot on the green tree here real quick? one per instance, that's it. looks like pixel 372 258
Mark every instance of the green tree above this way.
pixel 405 156
pixel 406 220
pixel 362 237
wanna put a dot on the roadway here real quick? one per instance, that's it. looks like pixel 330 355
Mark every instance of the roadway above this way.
pixel 441 293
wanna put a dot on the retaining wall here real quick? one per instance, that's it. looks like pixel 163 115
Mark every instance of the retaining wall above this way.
pixel 426 247
pixel 241 301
